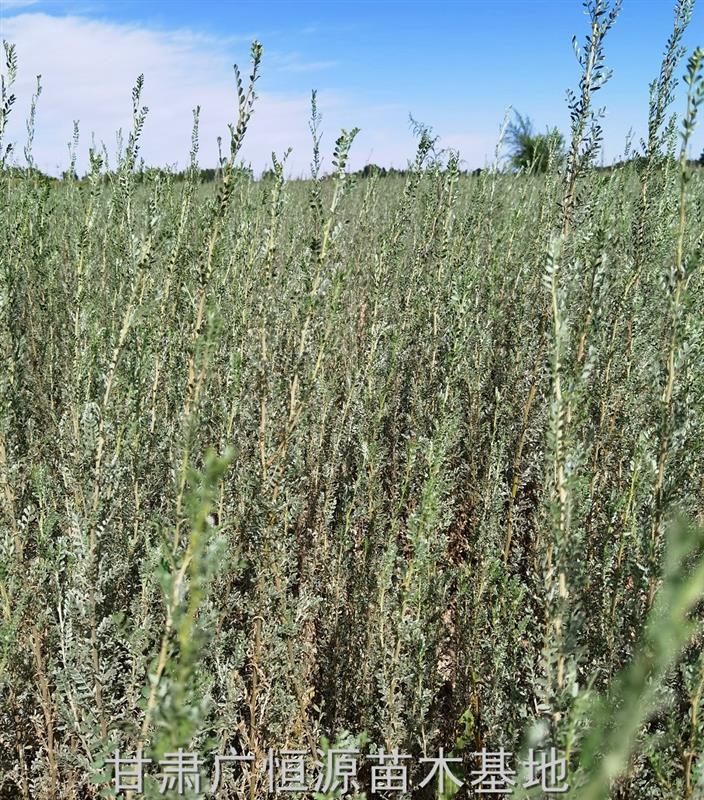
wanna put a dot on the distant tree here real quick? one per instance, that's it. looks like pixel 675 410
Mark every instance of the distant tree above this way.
pixel 701 159
pixel 370 169
pixel 28 172
pixel 532 151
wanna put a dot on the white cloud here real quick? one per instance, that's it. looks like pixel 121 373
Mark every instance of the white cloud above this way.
pixel 293 62
pixel 12 5
pixel 88 68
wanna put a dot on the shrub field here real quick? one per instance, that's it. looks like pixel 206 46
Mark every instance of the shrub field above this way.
pixel 410 461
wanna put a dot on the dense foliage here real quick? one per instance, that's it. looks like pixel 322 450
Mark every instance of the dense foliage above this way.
pixel 531 151
pixel 399 457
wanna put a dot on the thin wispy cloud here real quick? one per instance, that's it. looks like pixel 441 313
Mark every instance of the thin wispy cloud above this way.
pixel 14 5
pixel 294 62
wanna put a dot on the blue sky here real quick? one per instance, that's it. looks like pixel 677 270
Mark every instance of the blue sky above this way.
pixel 456 66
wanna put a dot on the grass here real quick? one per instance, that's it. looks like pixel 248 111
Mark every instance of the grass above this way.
pixel 405 457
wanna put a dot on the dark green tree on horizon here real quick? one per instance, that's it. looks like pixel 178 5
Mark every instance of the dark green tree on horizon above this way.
pixel 530 151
